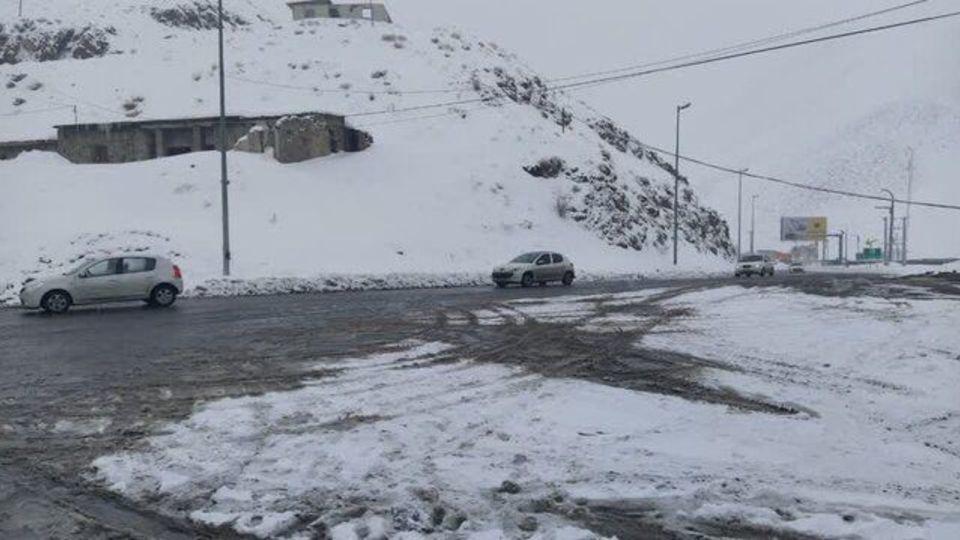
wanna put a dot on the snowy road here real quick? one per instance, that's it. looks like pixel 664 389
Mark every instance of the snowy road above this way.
pixel 713 407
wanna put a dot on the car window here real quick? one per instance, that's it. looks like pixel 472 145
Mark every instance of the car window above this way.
pixel 544 259
pixel 103 268
pixel 751 258
pixel 132 265
pixel 557 258
pixel 526 258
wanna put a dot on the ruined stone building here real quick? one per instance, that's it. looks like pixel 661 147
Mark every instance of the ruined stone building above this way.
pixel 291 137
pixel 312 9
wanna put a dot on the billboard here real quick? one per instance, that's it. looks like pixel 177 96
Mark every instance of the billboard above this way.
pixel 804 229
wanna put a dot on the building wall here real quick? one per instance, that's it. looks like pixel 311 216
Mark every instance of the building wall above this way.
pixel 105 144
pixel 293 138
pixel 11 150
pixel 326 10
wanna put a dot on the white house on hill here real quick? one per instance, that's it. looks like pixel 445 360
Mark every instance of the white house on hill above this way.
pixel 311 9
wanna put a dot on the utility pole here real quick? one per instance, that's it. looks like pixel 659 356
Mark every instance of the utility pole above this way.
pixel 886 249
pixel 224 181
pixel 740 210
pixel 903 241
pixel 893 199
pixel 753 220
pixel 676 186
pixel 906 220
pixel 20 9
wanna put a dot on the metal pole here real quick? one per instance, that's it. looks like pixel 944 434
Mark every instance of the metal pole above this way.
pixel 676 187
pixel 740 210
pixel 886 249
pixel 890 243
pixel 20 9
pixel 224 181
pixel 903 241
pixel 909 202
pixel 753 220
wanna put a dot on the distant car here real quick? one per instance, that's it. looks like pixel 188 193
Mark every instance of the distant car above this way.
pixel 753 265
pixel 536 267
pixel 154 280
pixel 797 268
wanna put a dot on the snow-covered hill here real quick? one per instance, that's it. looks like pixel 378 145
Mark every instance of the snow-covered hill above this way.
pixel 841 114
pixel 442 190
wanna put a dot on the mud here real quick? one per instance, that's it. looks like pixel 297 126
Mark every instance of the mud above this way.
pixel 100 381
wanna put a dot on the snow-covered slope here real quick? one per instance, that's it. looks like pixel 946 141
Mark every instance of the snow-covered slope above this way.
pixel 841 114
pixel 507 167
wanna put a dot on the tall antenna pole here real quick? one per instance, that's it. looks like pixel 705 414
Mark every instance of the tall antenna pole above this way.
pixel 224 181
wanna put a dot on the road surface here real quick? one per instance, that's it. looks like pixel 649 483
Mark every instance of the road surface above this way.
pixel 98 380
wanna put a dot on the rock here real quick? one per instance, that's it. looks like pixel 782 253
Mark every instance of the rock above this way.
pixel 849 518
pixel 528 524
pixel 509 486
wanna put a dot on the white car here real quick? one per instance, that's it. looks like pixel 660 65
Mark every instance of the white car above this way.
pixel 753 265
pixel 537 267
pixel 154 280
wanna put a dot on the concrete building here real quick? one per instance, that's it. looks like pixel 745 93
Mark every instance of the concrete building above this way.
pixel 10 150
pixel 312 9
pixel 292 137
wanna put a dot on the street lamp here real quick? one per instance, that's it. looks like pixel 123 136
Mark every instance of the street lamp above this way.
pixel 740 209
pixel 676 185
pixel 753 219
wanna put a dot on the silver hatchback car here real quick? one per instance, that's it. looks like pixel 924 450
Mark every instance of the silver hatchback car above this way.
pixel 154 280
pixel 536 267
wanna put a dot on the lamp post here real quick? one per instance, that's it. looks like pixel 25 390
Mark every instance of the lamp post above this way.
pixel 676 185
pixel 740 210
pixel 753 219
pixel 889 256
pixel 224 181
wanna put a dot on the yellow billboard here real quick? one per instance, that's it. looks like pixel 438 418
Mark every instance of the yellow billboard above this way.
pixel 803 229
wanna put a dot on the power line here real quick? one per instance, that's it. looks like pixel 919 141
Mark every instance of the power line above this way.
pixel 832 37
pixel 319 90
pixel 798 185
pixel 674 67
pixel 746 45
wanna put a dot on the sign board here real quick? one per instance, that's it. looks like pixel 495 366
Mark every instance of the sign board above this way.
pixel 803 229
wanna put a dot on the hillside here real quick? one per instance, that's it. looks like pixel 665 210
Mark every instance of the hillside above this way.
pixel 839 114
pixel 447 190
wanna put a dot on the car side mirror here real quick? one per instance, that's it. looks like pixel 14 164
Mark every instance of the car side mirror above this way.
pixel 84 274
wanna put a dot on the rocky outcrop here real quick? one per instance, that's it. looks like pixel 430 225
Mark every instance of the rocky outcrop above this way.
pixel 195 16
pixel 42 40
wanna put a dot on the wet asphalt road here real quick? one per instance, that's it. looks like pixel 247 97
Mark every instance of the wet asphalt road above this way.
pixel 97 380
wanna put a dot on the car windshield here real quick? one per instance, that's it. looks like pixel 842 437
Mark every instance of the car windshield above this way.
pixel 526 258
pixel 76 268
pixel 751 258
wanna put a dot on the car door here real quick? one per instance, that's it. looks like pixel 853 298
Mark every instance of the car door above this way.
pixel 136 277
pixel 543 266
pixel 99 282
pixel 558 266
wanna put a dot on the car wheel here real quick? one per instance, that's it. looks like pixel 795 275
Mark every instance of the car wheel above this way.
pixel 56 302
pixel 568 279
pixel 526 280
pixel 163 296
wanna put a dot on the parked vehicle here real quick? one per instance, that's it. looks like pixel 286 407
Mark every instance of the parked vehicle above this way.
pixel 797 268
pixel 154 280
pixel 536 267
pixel 753 265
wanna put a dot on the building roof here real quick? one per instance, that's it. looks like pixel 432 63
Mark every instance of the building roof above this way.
pixel 314 2
pixel 187 121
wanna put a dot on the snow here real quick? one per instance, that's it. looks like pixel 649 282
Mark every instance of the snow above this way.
pixel 840 114
pixel 445 197
pixel 417 426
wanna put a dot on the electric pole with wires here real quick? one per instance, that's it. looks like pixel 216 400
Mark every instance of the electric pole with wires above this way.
pixel 224 181
pixel 676 186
